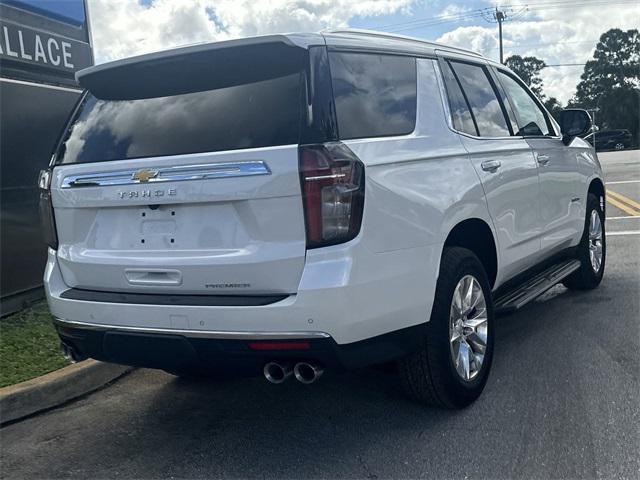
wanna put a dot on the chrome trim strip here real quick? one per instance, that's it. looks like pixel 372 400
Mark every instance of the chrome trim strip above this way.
pixel 194 333
pixel 167 174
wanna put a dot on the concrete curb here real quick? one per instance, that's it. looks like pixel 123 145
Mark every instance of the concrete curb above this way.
pixel 50 390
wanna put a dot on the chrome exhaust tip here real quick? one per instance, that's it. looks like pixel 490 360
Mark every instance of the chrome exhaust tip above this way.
pixel 276 372
pixel 307 372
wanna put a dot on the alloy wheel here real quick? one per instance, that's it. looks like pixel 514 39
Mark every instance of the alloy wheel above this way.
pixel 595 241
pixel 468 327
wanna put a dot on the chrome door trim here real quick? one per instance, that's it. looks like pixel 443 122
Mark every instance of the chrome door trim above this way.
pixel 167 174
pixel 214 334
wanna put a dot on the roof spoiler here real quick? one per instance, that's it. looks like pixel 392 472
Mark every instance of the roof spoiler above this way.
pixel 194 68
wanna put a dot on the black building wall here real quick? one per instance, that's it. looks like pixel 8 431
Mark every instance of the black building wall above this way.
pixel 36 98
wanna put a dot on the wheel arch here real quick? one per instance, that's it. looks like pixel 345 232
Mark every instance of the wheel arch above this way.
pixel 476 235
pixel 596 186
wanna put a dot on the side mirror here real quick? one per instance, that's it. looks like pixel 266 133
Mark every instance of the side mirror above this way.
pixel 573 123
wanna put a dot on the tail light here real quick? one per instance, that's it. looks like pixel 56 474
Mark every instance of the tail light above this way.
pixel 46 210
pixel 332 181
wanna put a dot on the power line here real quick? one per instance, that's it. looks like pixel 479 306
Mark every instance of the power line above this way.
pixel 565 65
pixel 501 14
pixel 422 23
pixel 435 19
pixel 569 3
pixel 526 45
pixel 472 14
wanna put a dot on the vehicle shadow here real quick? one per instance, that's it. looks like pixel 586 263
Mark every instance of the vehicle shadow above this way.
pixel 248 427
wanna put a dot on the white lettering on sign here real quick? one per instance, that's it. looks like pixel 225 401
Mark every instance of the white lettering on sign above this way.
pixel 40 50
pixel 7 44
pixel 35 46
pixel 54 60
pixel 66 54
pixel 23 54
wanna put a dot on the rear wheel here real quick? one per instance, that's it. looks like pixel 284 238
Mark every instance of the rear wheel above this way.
pixel 592 250
pixel 619 146
pixel 452 367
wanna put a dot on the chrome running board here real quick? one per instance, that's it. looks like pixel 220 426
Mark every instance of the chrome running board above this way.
pixel 534 287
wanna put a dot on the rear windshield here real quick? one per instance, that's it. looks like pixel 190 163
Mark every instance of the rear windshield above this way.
pixel 259 114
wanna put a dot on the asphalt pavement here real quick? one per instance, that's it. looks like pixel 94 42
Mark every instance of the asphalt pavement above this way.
pixel 562 401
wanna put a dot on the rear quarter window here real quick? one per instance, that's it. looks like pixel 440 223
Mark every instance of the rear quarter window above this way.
pixel 375 95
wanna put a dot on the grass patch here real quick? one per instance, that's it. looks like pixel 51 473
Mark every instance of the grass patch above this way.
pixel 29 345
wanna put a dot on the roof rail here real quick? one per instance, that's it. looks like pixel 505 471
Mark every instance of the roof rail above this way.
pixel 375 33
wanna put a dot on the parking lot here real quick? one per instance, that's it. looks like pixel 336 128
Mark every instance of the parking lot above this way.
pixel 561 402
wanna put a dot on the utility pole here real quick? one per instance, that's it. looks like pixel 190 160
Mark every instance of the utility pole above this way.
pixel 500 16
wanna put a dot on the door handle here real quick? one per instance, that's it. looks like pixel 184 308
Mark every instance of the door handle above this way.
pixel 491 165
pixel 542 159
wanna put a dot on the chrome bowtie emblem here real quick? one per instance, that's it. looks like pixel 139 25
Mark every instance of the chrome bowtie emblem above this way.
pixel 144 175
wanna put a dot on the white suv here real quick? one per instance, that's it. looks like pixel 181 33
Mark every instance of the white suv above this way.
pixel 292 203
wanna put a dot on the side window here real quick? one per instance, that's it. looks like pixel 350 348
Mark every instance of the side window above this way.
pixel 531 119
pixel 460 114
pixel 375 95
pixel 482 99
pixel 511 116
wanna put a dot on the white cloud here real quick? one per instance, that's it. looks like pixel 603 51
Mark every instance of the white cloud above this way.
pixel 476 38
pixel 454 9
pixel 123 28
pixel 553 36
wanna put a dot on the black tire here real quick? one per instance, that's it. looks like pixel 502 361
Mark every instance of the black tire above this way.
pixel 429 375
pixel 586 278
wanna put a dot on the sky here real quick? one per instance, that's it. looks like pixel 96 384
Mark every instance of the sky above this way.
pixel 559 32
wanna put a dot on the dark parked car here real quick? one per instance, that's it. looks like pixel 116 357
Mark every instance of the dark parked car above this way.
pixel 612 139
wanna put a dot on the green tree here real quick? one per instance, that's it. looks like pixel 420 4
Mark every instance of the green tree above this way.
pixel 528 69
pixel 553 106
pixel 611 81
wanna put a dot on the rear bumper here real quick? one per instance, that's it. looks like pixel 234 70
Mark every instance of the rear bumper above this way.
pixel 229 353
pixel 348 299
pixel 348 293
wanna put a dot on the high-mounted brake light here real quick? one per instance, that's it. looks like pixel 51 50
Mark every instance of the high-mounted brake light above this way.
pixel 46 210
pixel 332 182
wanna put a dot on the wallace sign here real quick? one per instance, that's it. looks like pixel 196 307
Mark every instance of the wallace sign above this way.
pixel 23 44
pixel 43 43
